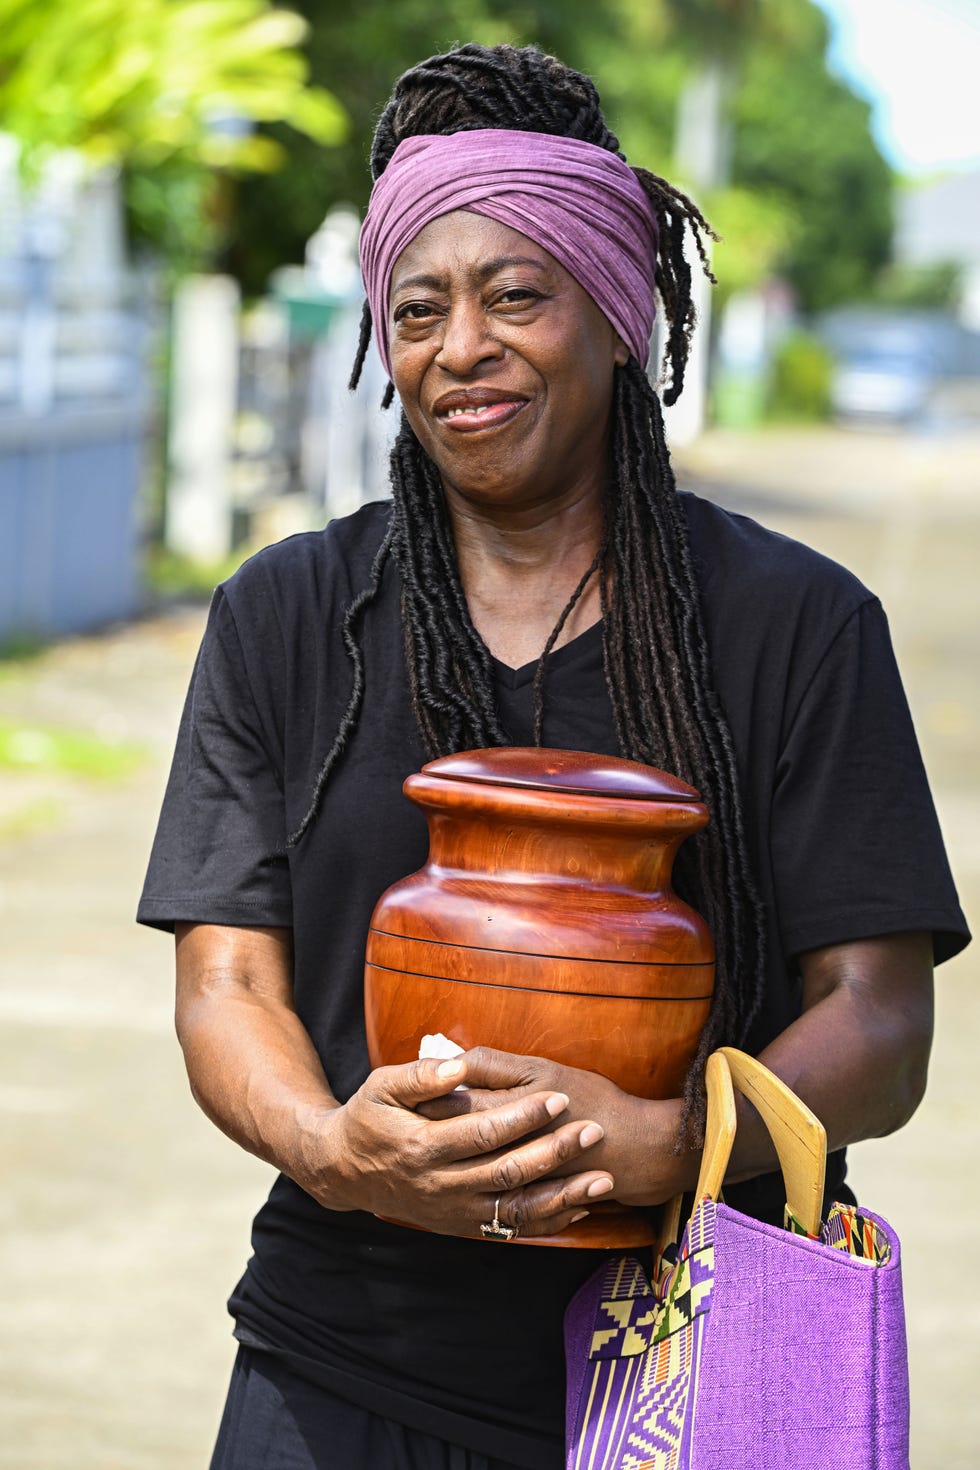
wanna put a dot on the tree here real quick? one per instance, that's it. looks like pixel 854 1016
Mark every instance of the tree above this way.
pixel 804 139
pixel 808 193
pixel 169 89
pixel 357 52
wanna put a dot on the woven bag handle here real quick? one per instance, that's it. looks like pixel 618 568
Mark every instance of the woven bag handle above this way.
pixel 799 1137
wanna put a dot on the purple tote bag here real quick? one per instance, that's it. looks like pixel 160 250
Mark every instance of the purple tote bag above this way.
pixel 754 1348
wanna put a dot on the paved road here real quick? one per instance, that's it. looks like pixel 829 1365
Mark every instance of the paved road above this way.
pixel 123 1221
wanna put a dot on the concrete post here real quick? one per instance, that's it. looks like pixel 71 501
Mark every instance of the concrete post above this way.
pixel 204 389
pixel 702 150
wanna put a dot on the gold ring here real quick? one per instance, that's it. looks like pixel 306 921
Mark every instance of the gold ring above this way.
pixel 496 1230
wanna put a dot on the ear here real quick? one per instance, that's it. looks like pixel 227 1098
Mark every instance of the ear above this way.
pixel 621 355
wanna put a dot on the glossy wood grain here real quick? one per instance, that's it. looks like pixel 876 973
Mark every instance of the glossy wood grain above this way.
pixel 541 972
pixel 544 923
pixel 583 918
pixel 644 1045
pixel 573 771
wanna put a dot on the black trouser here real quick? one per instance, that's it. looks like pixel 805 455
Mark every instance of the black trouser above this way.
pixel 276 1420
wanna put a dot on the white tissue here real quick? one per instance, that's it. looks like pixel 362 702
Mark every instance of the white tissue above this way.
pixel 441 1047
pixel 438 1046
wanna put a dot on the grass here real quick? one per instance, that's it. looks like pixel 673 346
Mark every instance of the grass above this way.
pixel 43 748
pixel 18 649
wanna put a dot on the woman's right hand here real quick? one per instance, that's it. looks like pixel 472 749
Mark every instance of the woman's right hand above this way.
pixel 377 1153
pixel 255 1072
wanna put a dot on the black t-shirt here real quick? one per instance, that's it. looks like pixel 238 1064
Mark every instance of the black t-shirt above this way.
pixel 454 1336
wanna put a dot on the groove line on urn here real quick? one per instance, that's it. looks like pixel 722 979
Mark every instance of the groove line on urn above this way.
pixel 529 954
pixel 535 989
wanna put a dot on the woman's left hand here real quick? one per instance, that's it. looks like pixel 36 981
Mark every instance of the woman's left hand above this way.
pixel 638 1147
pixel 857 1056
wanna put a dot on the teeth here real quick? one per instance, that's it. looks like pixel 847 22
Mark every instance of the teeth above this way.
pixel 455 412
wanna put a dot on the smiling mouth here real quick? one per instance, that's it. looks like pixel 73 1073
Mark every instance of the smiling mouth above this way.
pixel 473 417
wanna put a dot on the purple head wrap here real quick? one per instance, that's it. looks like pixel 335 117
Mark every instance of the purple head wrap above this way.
pixel 581 203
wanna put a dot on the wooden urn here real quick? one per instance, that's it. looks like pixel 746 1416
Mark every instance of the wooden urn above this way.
pixel 544 923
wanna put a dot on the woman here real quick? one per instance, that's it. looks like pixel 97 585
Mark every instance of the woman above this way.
pixel 511 282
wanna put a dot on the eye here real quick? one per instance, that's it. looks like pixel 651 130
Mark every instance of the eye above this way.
pixel 415 311
pixel 518 296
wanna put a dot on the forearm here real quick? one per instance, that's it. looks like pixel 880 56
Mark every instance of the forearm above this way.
pixel 256 1075
pixel 858 1055
pixel 255 1072
pixel 250 1062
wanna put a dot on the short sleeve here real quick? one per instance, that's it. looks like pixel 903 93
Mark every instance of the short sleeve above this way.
pixel 855 840
pixel 219 855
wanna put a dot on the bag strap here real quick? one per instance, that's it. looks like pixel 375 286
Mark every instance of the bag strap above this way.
pixel 799 1137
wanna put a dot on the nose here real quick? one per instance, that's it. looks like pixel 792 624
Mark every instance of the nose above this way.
pixel 468 338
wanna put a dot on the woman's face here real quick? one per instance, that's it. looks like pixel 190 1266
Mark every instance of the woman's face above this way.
pixel 503 363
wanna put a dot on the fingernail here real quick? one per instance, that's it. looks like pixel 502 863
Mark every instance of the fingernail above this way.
pixel 590 1134
pixel 556 1103
pixel 582 1215
pixel 601 1186
pixel 452 1068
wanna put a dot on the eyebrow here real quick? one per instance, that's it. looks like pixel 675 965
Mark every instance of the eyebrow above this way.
pixel 482 273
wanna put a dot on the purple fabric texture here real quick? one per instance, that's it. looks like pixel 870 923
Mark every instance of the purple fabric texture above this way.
pixel 766 1350
pixel 818 1341
pixel 581 203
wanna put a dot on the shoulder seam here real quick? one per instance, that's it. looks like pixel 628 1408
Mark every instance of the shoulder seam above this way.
pixel 869 600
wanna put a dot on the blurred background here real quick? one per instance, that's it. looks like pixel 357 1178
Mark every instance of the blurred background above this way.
pixel 181 185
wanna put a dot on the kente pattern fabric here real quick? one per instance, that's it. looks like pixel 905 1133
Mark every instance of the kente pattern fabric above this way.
pixel 849 1229
pixel 732 1359
pixel 644 1349
pixel 581 203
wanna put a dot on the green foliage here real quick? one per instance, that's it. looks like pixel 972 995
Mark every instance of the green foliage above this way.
pixel 357 52
pixel 803 139
pixel 148 81
pixel 802 372
pixel 173 209
pixel 757 233
pixel 929 287
pixel 716 27
pixel 17 649
pixel 809 193
pixel 641 77
pixel 176 92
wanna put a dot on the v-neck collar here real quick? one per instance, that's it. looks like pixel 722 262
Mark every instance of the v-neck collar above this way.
pixel 582 645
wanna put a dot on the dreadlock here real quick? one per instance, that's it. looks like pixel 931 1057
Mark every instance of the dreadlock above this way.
pixel 656 659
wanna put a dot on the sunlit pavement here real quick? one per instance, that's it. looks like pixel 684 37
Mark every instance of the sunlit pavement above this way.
pixel 125 1214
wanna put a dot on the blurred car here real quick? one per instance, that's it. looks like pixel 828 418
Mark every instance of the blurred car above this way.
pixel 883 384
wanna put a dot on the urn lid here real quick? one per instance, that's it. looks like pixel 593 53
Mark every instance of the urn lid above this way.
pixel 576 772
